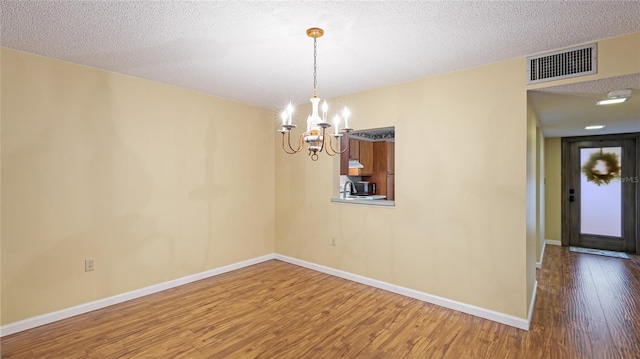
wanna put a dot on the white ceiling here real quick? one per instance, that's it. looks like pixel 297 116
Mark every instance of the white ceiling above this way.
pixel 258 52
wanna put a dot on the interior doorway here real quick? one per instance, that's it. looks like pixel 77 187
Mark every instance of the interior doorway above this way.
pixel 600 192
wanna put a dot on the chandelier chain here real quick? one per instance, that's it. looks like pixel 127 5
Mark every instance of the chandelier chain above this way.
pixel 315 67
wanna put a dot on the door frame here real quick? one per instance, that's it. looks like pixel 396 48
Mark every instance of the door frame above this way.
pixel 568 177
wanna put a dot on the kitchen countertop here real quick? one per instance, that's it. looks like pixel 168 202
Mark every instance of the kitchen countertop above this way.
pixel 367 202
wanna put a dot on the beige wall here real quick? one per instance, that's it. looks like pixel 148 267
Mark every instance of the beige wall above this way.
pixel 552 168
pixel 459 226
pixel 532 202
pixel 150 180
pixel 536 190
pixel 0 194
pixel 540 195
pixel 533 119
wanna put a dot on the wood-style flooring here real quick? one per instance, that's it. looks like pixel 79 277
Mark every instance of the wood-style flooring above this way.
pixel 587 307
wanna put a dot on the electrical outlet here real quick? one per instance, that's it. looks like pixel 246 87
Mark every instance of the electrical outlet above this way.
pixel 88 265
pixel 333 241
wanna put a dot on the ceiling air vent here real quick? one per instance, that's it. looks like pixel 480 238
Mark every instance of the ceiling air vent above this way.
pixel 574 62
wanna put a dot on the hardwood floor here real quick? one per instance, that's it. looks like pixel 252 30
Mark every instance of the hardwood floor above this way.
pixel 587 307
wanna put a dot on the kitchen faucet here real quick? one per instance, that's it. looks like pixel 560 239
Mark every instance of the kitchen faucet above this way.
pixel 352 189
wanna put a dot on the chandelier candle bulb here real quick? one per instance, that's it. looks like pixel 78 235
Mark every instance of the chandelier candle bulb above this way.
pixel 325 107
pixel 346 114
pixel 336 123
pixel 290 111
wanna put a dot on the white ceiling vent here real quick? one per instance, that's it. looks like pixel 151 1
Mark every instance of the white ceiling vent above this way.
pixel 574 62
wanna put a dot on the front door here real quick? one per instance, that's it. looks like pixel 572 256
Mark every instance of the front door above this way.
pixel 600 192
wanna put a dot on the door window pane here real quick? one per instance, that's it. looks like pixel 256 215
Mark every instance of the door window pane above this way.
pixel 601 191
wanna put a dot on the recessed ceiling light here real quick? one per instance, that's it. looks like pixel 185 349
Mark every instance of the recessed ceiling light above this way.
pixel 596 127
pixel 617 96
pixel 610 101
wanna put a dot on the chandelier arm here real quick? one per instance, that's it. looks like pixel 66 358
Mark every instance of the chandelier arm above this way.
pixel 323 139
pixel 291 150
pixel 330 151
pixel 331 146
pixel 300 143
pixel 333 143
pixel 283 146
pixel 346 146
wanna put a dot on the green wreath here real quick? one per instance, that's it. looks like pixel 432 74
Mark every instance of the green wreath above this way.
pixel 611 163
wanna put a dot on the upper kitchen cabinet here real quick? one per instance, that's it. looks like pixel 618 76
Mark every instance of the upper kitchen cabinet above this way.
pixel 374 149
pixel 354 149
pixel 383 168
pixel 344 157
pixel 391 158
pixel 366 158
pixel 384 157
pixel 361 151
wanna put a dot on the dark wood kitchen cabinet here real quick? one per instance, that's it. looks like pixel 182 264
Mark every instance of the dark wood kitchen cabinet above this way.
pixel 361 151
pixel 391 187
pixel 344 157
pixel 366 158
pixel 384 154
pixel 354 149
pixel 384 168
pixel 391 158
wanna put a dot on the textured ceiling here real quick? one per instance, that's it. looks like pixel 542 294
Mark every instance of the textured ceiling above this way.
pixel 258 52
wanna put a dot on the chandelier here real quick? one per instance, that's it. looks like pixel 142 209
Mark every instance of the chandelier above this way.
pixel 316 137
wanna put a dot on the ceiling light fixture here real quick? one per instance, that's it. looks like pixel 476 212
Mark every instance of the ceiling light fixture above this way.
pixel 595 127
pixel 611 101
pixel 614 97
pixel 315 136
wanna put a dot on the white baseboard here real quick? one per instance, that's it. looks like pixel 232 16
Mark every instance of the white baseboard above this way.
pixel 553 242
pixel 425 297
pixel 544 246
pixel 102 303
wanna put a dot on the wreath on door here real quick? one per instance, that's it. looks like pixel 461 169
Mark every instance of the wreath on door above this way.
pixel 602 168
